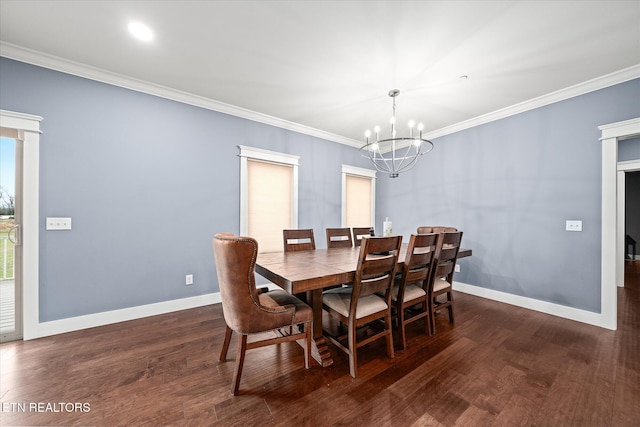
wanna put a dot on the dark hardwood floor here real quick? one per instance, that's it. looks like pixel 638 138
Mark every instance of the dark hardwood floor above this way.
pixel 498 365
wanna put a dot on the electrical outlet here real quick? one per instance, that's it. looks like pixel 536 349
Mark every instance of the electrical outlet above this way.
pixel 189 279
pixel 457 268
pixel 573 225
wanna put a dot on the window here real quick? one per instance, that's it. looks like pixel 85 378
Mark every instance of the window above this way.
pixel 268 196
pixel 358 197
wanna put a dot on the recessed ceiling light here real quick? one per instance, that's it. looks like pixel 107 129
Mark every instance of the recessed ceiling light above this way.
pixel 140 31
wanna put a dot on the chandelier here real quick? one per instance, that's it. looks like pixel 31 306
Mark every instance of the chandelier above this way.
pixel 396 154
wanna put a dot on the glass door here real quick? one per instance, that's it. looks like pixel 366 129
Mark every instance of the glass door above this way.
pixel 10 239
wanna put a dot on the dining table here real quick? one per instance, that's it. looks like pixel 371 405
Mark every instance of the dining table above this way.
pixel 310 272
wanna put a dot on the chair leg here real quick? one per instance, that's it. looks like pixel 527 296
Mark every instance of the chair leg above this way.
pixel 450 308
pixel 307 347
pixel 401 327
pixel 389 336
pixel 225 344
pixel 242 348
pixel 427 319
pixel 353 350
pixel 432 316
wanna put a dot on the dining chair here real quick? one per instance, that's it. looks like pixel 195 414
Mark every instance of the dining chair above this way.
pixel 410 294
pixel 248 310
pixel 359 232
pixel 298 240
pixel 435 229
pixel 339 238
pixel 442 283
pixel 358 305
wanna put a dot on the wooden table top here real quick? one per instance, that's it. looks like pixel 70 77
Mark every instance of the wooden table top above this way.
pixel 301 271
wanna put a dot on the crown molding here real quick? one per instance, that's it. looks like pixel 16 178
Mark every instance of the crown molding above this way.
pixel 44 60
pixel 602 82
pixel 55 63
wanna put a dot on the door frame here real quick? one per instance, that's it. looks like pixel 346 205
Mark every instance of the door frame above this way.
pixel 623 168
pixel 28 131
pixel 611 134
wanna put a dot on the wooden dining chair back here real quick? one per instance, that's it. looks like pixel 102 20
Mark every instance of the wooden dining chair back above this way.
pixel 435 229
pixel 359 232
pixel 442 283
pixel 410 294
pixel 248 310
pixel 359 305
pixel 298 240
pixel 339 238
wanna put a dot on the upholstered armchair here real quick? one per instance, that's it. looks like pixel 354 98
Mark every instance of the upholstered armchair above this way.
pixel 248 310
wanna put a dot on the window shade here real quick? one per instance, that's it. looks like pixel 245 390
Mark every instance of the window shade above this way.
pixel 358 201
pixel 269 204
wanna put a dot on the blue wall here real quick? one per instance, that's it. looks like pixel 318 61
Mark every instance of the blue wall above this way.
pixel 629 149
pixel 148 182
pixel 510 185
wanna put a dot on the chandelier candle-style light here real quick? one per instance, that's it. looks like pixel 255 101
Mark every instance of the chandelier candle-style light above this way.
pixel 396 154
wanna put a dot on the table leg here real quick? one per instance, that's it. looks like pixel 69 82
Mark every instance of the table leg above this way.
pixel 319 349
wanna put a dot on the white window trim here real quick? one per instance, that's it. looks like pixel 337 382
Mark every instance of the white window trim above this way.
pixel 28 127
pixel 363 172
pixel 268 156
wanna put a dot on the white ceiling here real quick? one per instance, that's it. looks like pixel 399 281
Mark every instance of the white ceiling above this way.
pixel 329 65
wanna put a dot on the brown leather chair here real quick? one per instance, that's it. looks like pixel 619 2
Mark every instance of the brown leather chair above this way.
pixel 248 310
pixel 339 238
pixel 442 283
pixel 298 240
pixel 358 232
pixel 358 305
pixel 410 294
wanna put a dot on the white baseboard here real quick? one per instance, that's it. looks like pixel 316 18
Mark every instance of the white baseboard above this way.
pixel 71 324
pixel 563 311
pixel 77 323
pixel 108 317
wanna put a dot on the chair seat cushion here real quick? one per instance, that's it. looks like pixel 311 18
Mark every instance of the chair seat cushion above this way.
pixel 339 299
pixel 440 284
pixel 411 292
pixel 278 297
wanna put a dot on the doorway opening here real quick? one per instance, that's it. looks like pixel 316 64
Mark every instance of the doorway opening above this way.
pixel 632 223
pixel 10 239
pixel 612 228
pixel 24 130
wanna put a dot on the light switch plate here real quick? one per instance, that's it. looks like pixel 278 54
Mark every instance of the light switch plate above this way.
pixel 574 225
pixel 58 223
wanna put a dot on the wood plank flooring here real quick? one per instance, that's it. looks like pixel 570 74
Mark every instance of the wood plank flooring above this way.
pixel 498 365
